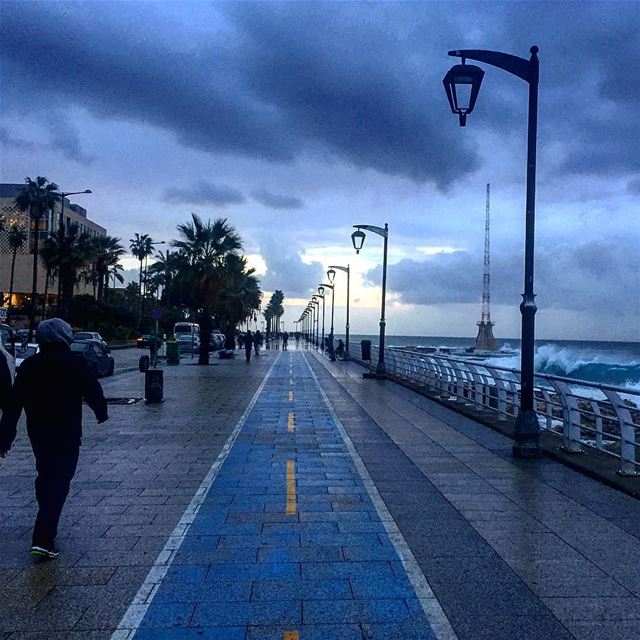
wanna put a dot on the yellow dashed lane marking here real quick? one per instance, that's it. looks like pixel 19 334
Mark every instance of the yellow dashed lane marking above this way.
pixel 291 635
pixel 291 488
pixel 291 424
pixel 290 396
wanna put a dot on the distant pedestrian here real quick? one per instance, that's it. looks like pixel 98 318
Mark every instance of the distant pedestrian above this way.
pixel 285 341
pixel 257 341
pixel 340 349
pixel 248 341
pixel 50 386
pixel 297 339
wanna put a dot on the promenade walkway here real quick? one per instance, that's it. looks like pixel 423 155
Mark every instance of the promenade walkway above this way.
pixel 291 499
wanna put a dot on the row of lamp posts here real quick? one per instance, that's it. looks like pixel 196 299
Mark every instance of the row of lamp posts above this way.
pixel 462 85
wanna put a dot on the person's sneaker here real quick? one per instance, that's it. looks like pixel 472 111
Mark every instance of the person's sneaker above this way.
pixel 41 552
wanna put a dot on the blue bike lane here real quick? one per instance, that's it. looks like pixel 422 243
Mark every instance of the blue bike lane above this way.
pixel 288 540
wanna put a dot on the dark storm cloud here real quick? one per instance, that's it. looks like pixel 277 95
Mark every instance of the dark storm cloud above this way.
pixel 287 271
pixel 358 82
pixel 584 277
pixel 285 80
pixel 275 201
pixel 204 193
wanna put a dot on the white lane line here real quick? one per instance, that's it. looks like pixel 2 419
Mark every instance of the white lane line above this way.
pixel 132 618
pixel 432 610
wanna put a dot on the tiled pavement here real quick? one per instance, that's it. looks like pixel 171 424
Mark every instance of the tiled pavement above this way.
pixel 509 549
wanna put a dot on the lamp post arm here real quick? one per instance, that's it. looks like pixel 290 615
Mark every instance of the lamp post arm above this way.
pixel 337 266
pixel 381 231
pixel 525 69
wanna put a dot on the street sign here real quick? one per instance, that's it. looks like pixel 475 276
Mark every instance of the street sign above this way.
pixel 156 314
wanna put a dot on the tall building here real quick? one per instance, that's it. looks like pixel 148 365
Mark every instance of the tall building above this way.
pixel 23 273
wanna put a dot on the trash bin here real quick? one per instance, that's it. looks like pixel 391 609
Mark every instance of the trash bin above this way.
pixel 366 349
pixel 173 352
pixel 153 385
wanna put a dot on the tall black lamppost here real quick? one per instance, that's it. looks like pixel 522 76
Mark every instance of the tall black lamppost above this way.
pixel 357 237
pixel 63 195
pixel 466 79
pixel 331 274
pixel 316 309
pixel 144 297
pixel 321 295
pixel 332 355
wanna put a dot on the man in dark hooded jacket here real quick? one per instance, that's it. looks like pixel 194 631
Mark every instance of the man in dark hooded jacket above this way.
pixel 50 386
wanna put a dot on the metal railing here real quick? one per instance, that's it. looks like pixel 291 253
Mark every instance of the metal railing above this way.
pixel 582 414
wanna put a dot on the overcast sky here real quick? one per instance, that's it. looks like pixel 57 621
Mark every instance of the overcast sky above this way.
pixel 297 120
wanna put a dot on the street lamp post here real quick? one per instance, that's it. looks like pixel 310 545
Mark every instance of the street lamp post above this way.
pixel 357 237
pixel 527 429
pixel 332 355
pixel 321 295
pixel 331 274
pixel 316 309
pixel 63 195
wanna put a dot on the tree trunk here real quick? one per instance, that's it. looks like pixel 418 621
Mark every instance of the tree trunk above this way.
pixel 100 288
pixel 46 291
pixel 206 327
pixel 34 284
pixel 13 269
pixel 140 298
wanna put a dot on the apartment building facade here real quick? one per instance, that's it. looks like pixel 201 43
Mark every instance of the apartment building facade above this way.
pixel 23 272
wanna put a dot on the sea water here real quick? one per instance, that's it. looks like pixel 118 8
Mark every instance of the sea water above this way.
pixel 613 363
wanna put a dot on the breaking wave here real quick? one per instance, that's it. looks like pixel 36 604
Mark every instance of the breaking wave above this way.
pixel 581 364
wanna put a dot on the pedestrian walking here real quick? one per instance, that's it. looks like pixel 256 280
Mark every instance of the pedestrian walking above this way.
pixel 285 340
pixel 257 341
pixel 50 386
pixel 248 343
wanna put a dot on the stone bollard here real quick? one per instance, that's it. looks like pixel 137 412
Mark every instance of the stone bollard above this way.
pixel 153 385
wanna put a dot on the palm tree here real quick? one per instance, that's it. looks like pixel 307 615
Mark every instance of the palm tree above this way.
pixel 37 197
pixel 108 253
pixel 50 256
pixel 240 296
pixel 203 248
pixel 17 237
pixel 141 246
pixel 166 267
pixel 113 272
pixel 77 251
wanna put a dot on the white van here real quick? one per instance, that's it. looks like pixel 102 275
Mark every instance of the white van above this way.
pixel 186 328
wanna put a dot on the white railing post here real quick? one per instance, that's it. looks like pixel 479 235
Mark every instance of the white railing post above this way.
pixel 628 435
pixel 571 440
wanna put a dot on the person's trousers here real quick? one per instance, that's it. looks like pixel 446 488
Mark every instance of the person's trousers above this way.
pixel 247 353
pixel 56 466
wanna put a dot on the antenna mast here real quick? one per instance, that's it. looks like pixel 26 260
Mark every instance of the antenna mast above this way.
pixel 486 277
pixel 485 340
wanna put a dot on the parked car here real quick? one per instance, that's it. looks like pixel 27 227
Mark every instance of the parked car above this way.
pixel 88 335
pixel 96 355
pixel 24 351
pixel 188 343
pixel 144 341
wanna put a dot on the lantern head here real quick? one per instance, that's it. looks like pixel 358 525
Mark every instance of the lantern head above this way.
pixel 331 274
pixel 462 84
pixel 357 237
